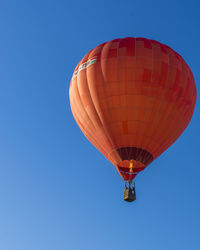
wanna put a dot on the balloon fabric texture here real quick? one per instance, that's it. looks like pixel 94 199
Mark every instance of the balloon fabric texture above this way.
pixel 132 98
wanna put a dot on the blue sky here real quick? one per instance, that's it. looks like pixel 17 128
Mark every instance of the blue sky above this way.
pixel 50 197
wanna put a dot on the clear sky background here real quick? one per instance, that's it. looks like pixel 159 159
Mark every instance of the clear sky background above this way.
pixel 50 197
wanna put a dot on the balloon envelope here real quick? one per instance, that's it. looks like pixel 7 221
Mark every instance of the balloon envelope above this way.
pixel 132 98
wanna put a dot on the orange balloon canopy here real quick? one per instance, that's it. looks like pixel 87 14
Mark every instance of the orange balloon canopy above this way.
pixel 132 98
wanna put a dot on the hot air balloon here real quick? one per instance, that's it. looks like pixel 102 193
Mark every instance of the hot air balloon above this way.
pixel 132 98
